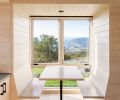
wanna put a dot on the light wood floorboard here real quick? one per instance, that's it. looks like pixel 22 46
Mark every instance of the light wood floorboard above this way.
pixel 65 97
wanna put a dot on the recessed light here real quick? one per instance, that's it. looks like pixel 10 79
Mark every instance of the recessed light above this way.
pixel 61 11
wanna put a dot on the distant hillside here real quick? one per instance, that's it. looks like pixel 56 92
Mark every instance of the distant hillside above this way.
pixel 77 43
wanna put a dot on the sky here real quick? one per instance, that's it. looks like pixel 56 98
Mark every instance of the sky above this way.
pixel 72 28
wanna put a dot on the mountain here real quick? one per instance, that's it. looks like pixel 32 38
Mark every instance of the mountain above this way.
pixel 82 43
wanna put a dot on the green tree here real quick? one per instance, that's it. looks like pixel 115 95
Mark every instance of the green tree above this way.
pixel 45 49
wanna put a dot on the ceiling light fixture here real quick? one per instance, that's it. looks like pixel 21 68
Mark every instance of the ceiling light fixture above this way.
pixel 61 11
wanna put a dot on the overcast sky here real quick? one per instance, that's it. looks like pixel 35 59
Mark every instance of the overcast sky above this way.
pixel 72 28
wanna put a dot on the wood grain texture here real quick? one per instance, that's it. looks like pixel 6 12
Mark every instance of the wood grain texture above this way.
pixel 100 74
pixel 65 97
pixel 69 9
pixel 62 1
pixel 89 90
pixel 21 43
pixel 5 39
pixel 13 90
pixel 114 78
pixel 61 73
pixel 56 97
pixel 33 90
pixel 4 1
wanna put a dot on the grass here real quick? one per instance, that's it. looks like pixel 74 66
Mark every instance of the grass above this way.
pixel 53 83
pixel 37 70
pixel 56 83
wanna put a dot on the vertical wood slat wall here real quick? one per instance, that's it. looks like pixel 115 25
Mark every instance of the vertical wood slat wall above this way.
pixel 101 32
pixel 113 88
pixel 21 45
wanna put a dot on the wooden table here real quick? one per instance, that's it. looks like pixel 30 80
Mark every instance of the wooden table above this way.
pixel 61 73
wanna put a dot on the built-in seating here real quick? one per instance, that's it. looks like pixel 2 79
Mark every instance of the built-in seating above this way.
pixel 95 86
pixel 89 90
pixel 33 90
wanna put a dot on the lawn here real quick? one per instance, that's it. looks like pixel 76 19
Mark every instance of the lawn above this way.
pixel 53 83
pixel 56 83
pixel 37 71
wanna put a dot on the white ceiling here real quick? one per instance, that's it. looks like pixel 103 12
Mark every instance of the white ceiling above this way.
pixel 69 9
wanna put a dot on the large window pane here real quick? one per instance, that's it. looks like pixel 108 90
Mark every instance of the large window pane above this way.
pixel 76 41
pixel 45 41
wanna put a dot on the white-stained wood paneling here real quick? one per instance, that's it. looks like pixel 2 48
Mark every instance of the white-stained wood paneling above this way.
pixel 101 32
pixel 69 9
pixel 21 42
pixel 62 1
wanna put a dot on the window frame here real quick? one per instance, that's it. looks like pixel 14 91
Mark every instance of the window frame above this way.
pixel 60 38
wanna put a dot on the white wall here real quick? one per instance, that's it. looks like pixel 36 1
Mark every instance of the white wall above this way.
pixel 100 74
pixel 21 44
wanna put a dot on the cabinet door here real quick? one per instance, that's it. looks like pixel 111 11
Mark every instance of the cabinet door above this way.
pixel 6 94
pixel 5 36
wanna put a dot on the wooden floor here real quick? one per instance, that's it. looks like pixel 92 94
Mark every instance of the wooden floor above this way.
pixel 65 97
pixel 92 99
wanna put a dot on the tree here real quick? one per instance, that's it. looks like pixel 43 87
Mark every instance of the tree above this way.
pixel 45 49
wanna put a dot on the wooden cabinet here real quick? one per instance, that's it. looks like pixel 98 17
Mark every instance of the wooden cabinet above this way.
pixel 4 1
pixel 5 39
pixel 4 89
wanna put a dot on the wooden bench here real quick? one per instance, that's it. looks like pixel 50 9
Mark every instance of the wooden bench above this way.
pixel 89 90
pixel 33 90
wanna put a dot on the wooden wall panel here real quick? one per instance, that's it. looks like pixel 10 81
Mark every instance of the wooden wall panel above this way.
pixel 62 1
pixel 101 32
pixel 4 1
pixel 5 39
pixel 70 9
pixel 113 90
pixel 21 43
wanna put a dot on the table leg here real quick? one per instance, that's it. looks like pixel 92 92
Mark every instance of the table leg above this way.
pixel 61 84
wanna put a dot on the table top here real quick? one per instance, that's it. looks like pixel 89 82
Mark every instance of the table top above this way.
pixel 61 73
